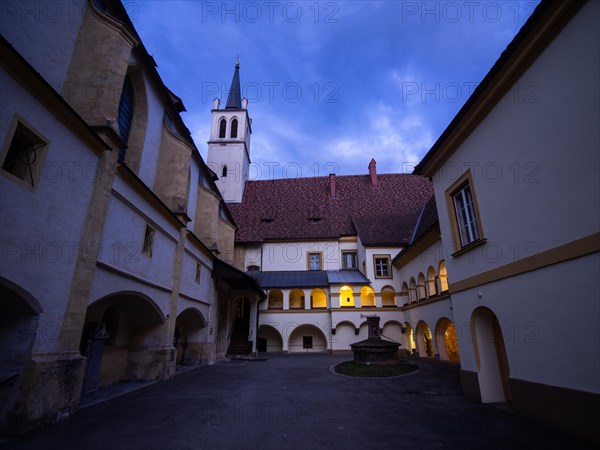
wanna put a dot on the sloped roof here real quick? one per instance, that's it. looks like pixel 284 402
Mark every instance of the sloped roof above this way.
pixel 307 278
pixel 427 219
pixel 302 208
pixel 234 98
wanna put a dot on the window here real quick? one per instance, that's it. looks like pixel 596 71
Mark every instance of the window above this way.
pixel 252 268
pixel 222 128
pixel 198 272
pixel 349 260
pixel 234 128
pixel 315 261
pixel 462 205
pixel 224 172
pixel 126 109
pixel 382 266
pixel 267 220
pixel 148 241
pixel 307 342
pixel 24 155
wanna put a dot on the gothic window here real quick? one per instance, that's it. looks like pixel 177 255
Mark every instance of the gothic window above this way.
pixel 222 128
pixel 224 172
pixel 234 128
pixel 126 109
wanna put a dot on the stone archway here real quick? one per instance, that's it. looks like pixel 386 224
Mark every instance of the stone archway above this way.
pixel 122 339
pixel 307 338
pixel 190 336
pixel 490 355
pixel 19 317
pixel 269 339
pixel 446 340
pixel 424 340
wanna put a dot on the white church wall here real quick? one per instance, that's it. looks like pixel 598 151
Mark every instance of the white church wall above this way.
pixel 40 236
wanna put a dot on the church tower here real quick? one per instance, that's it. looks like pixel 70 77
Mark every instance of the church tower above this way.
pixel 229 144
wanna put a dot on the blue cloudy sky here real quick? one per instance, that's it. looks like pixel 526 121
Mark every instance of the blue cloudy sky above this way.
pixel 330 84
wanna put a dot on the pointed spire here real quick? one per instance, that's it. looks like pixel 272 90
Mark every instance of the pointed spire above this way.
pixel 234 98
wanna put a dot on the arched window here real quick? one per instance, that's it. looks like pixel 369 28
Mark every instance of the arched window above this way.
pixel 443 274
pixel 126 109
pixel 234 127
pixel 421 294
pixel 224 172
pixel 222 128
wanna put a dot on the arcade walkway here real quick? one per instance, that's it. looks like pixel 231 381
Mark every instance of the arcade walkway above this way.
pixel 294 402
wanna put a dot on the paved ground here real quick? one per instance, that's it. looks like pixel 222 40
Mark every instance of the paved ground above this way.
pixel 294 402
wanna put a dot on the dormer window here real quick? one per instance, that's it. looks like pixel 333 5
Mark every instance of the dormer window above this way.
pixel 268 220
pixel 222 128
pixel 234 128
pixel 314 219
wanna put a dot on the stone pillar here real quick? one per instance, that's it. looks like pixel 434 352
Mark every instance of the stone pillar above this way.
pixel 307 302
pixel 378 300
pixel 286 299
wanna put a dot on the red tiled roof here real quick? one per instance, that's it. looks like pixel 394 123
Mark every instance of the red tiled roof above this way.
pixel 382 214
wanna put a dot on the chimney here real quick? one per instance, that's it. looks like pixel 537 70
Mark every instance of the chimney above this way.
pixel 373 172
pixel 332 185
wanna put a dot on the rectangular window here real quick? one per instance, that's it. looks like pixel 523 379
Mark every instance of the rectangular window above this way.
pixel 315 261
pixel 148 241
pixel 464 214
pixel 382 266
pixel 307 342
pixel 24 156
pixel 349 260
pixel 198 272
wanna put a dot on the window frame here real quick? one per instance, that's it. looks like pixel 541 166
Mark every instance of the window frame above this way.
pixel 459 186
pixel 388 259
pixel 352 252
pixel 32 181
pixel 308 255
pixel 147 245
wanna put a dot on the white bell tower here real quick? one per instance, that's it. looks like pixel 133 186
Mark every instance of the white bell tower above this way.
pixel 229 144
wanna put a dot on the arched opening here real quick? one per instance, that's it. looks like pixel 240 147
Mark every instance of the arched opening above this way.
pixel 275 299
pixel 234 128
pixel 409 338
pixel 392 330
pixel 189 337
pixel 19 318
pixel 239 342
pixel 133 320
pixel 296 299
pixel 269 340
pixel 367 296
pixel 222 128
pixel 307 338
pixel 345 334
pixel 388 296
pixel 318 299
pixel 490 356
pixel 421 294
pixel 405 300
pixel 443 276
pixel 412 290
pixel 224 172
pixel 424 340
pixel 346 297
pixel 446 340
pixel 431 283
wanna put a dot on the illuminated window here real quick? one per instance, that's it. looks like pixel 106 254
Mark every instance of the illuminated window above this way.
pixel 315 261
pixel 349 260
pixel 462 203
pixel 382 266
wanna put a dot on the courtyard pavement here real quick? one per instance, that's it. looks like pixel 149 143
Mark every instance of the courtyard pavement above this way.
pixel 295 402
